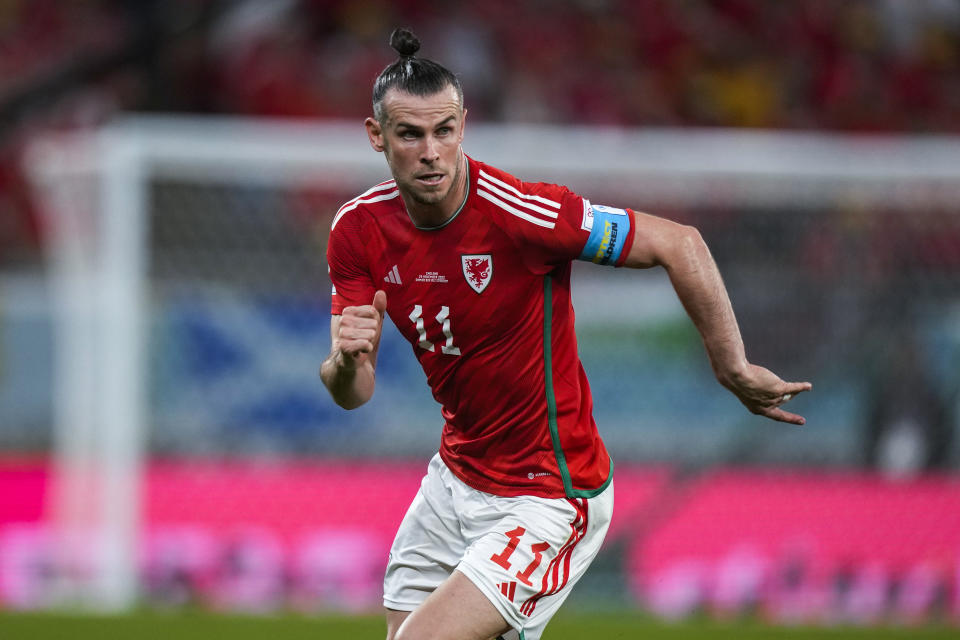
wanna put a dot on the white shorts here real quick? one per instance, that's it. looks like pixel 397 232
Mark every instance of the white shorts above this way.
pixel 524 553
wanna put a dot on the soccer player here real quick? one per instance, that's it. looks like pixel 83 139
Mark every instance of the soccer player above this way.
pixel 473 267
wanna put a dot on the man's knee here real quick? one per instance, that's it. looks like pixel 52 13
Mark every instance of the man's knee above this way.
pixel 419 632
pixel 409 632
pixel 394 620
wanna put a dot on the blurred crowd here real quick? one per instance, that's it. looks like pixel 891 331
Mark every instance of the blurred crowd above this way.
pixel 865 65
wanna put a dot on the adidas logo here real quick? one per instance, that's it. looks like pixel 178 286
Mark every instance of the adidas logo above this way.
pixel 508 589
pixel 394 276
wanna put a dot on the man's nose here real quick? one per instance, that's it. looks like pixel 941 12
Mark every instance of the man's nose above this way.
pixel 431 151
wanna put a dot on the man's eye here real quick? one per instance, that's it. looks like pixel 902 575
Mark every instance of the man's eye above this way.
pixel 442 131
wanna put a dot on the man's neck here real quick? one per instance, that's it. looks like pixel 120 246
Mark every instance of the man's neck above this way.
pixel 435 216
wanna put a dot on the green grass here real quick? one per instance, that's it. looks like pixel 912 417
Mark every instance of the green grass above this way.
pixel 180 626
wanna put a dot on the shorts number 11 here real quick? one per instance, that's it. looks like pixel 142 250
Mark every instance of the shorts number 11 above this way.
pixel 503 558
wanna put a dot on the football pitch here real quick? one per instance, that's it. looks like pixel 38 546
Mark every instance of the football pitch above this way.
pixel 203 626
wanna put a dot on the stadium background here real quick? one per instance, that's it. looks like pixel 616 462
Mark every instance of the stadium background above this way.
pixel 258 495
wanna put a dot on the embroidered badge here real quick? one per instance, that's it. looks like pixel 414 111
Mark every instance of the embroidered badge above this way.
pixel 478 270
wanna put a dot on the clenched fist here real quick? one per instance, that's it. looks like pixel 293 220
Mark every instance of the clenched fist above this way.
pixel 359 330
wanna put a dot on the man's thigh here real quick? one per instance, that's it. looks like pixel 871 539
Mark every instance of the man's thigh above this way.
pixel 457 610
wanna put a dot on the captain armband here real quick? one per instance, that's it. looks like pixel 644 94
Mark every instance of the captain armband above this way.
pixel 609 229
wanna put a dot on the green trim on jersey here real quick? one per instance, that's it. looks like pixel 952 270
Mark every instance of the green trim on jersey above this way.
pixel 552 402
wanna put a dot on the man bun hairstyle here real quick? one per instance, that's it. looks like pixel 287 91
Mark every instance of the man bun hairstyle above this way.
pixel 404 42
pixel 410 74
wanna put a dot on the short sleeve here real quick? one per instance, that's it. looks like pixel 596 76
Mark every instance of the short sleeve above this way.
pixel 347 264
pixel 552 225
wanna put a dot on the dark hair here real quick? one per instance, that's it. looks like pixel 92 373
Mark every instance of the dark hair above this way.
pixel 417 76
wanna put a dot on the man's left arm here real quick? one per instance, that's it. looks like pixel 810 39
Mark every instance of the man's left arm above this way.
pixel 680 249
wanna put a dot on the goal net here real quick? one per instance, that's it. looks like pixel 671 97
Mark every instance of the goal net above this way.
pixel 188 266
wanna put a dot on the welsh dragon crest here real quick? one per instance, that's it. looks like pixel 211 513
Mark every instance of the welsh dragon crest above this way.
pixel 478 270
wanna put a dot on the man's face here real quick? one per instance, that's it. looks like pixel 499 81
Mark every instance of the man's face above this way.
pixel 421 139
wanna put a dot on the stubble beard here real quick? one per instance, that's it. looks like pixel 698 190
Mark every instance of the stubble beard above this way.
pixel 427 198
pixel 432 197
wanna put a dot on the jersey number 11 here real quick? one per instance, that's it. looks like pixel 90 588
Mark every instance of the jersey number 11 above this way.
pixel 416 316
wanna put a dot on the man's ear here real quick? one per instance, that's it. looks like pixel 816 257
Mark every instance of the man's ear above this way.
pixel 375 134
pixel 463 124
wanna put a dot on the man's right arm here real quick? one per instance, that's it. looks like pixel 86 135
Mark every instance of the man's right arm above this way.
pixel 349 372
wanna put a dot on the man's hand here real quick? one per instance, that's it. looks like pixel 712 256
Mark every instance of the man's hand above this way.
pixel 763 393
pixel 349 372
pixel 358 333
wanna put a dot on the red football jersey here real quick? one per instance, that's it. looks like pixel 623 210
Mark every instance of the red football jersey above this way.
pixel 485 303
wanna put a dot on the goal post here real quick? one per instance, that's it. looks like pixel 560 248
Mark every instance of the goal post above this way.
pixel 91 188
pixel 97 190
